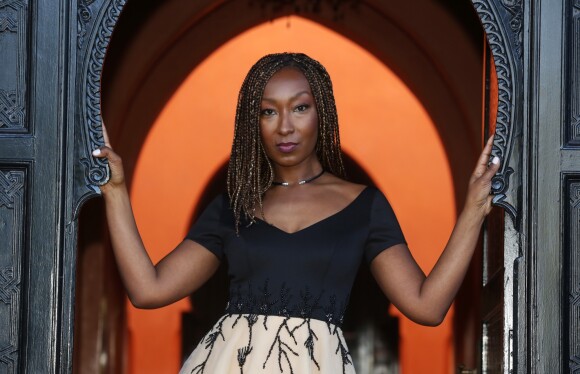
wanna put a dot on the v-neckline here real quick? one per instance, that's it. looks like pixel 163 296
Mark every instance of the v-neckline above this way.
pixel 267 224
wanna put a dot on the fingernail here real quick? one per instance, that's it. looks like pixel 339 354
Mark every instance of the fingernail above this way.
pixel 495 160
pixel 96 152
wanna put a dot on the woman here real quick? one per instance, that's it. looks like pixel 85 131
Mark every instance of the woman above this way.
pixel 293 232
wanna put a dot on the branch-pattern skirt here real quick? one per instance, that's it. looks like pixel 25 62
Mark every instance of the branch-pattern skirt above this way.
pixel 251 344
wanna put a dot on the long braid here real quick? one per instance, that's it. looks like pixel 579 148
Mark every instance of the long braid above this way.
pixel 250 172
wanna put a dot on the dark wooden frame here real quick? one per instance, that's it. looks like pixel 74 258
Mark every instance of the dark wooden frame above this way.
pixel 51 120
pixel 503 22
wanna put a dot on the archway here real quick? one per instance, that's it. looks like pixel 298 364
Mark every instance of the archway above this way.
pixel 137 115
pixel 194 150
pixel 154 53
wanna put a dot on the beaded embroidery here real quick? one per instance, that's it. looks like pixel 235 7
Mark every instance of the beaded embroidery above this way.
pixel 250 307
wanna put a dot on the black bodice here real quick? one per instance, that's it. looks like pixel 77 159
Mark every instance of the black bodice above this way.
pixel 306 274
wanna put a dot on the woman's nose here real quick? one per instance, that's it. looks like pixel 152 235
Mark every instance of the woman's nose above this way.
pixel 286 125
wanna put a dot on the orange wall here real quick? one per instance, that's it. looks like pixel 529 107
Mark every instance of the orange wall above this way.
pixel 383 127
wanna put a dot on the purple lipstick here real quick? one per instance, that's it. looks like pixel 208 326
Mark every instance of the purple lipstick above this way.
pixel 286 147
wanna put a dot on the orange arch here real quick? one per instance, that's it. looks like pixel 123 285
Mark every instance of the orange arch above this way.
pixel 383 127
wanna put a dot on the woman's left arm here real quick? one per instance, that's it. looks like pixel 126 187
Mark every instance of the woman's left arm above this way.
pixel 426 299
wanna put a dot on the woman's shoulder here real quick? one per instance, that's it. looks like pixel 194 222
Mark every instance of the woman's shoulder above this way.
pixel 346 189
pixel 214 206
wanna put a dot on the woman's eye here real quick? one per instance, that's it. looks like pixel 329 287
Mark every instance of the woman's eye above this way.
pixel 267 112
pixel 302 108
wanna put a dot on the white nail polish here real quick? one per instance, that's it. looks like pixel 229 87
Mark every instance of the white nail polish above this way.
pixel 96 152
pixel 495 160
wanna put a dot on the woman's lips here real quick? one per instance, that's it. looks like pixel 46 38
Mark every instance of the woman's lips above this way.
pixel 286 147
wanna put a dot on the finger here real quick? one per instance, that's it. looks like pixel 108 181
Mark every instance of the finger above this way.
pixel 488 204
pixel 105 152
pixel 492 169
pixel 105 135
pixel 486 152
pixel 483 160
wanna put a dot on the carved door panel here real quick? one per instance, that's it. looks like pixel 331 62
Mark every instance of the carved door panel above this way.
pixel 49 87
pixel 555 235
pixel 536 49
pixel 34 321
pixel 503 22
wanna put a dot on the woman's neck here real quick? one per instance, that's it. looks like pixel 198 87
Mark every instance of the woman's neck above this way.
pixel 296 174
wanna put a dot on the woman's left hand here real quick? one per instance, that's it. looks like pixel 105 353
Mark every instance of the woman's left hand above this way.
pixel 478 198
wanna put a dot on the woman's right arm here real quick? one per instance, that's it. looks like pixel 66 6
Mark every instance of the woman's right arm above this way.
pixel 177 275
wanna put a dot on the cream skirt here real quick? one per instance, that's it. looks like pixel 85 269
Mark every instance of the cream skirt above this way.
pixel 251 344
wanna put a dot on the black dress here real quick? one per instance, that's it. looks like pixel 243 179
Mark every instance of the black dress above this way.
pixel 288 291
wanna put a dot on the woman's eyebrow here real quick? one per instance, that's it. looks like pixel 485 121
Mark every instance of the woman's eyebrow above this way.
pixel 292 98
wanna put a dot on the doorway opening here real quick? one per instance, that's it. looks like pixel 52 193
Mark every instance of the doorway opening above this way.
pixel 133 128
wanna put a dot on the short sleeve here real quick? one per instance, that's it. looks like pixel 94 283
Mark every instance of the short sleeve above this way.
pixel 208 229
pixel 384 230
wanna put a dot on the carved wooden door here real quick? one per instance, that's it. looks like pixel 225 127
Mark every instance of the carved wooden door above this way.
pixel 531 280
pixel 35 315
pixel 49 109
pixel 503 22
pixel 554 235
pixel 51 57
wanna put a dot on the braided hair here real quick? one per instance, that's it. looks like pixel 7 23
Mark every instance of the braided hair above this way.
pixel 250 172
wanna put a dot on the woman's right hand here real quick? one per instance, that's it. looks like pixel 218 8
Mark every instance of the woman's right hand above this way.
pixel 117 176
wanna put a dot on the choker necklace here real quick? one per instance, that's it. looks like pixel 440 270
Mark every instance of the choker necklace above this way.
pixel 303 181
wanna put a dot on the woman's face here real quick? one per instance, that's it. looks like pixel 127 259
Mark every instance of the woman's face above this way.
pixel 288 119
